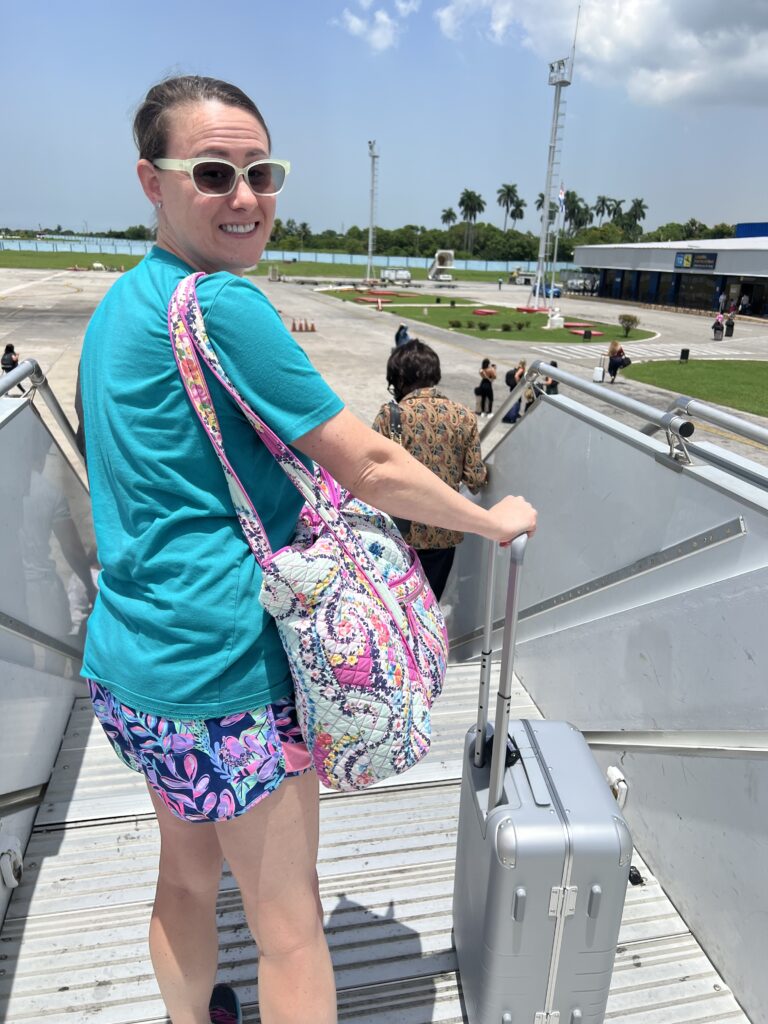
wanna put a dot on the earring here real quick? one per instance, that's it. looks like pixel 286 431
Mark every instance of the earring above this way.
pixel 159 204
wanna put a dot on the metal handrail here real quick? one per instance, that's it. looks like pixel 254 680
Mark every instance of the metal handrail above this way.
pixel 730 743
pixel 31 369
pixel 709 414
pixel 670 421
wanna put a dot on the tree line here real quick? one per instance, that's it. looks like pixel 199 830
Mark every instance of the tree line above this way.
pixel 606 221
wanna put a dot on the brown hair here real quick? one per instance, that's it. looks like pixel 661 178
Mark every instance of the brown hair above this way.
pixel 411 366
pixel 150 125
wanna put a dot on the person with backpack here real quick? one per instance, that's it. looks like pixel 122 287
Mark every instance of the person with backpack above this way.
pixel 512 378
pixel 9 361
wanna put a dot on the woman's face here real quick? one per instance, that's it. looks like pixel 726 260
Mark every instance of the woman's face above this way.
pixel 211 232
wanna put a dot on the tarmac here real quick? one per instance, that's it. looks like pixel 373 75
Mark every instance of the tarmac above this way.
pixel 45 314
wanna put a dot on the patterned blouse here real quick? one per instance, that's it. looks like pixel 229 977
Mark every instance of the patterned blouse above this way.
pixel 443 436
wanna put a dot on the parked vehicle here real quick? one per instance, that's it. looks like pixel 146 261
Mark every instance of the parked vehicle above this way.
pixel 395 275
pixel 549 292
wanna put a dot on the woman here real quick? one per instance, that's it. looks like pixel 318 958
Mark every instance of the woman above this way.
pixel 439 433
pixel 512 379
pixel 617 360
pixel 9 362
pixel 186 671
pixel 485 389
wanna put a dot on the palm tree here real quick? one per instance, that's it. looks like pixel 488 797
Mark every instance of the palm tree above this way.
pixel 448 216
pixel 616 211
pixel 471 205
pixel 637 210
pixel 602 208
pixel 552 205
pixel 506 197
pixel 517 211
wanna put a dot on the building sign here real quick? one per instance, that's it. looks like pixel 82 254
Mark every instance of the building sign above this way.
pixel 695 260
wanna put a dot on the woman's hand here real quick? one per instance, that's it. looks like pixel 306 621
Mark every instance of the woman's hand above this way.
pixel 509 518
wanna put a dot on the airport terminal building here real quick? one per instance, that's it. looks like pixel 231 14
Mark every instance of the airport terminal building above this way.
pixel 691 274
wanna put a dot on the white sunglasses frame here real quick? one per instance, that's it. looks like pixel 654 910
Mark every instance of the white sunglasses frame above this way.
pixel 188 166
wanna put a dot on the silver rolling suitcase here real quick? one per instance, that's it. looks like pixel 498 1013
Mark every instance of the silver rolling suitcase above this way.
pixel 542 861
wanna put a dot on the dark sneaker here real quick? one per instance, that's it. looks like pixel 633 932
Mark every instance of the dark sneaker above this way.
pixel 224 1007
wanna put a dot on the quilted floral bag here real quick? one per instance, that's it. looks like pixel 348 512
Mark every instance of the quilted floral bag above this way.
pixel 364 634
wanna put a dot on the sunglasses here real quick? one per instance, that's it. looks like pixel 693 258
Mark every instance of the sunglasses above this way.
pixel 219 177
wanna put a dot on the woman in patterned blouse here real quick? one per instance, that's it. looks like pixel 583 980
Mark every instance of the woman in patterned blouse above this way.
pixel 441 434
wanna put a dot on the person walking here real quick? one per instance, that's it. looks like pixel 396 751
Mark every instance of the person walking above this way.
pixel 512 378
pixel 442 435
pixel 9 361
pixel 185 669
pixel 401 335
pixel 485 388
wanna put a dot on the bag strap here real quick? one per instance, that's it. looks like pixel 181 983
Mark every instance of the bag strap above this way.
pixel 189 339
pixel 396 423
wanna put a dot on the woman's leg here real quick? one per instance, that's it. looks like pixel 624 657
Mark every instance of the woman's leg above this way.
pixel 272 851
pixel 183 939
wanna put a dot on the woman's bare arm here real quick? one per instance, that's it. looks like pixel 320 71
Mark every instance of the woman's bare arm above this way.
pixel 382 473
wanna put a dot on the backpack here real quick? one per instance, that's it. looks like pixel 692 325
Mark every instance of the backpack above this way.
pixel 509 379
pixel 7 362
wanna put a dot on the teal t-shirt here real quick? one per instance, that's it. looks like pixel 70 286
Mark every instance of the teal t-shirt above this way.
pixel 177 628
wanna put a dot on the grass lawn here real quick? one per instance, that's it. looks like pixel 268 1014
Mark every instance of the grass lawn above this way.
pixel 27 260
pixel 738 384
pixel 30 259
pixel 531 325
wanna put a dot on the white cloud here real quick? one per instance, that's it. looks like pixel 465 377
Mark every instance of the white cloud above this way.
pixel 365 4
pixel 407 7
pixel 379 32
pixel 354 25
pixel 661 51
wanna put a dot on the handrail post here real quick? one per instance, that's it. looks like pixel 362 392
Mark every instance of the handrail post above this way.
pixel 486 657
pixel 31 369
pixel 504 695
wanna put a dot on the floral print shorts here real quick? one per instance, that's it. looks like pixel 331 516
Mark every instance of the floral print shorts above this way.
pixel 206 769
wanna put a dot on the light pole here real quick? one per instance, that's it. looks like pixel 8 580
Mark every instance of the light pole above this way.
pixel 371 222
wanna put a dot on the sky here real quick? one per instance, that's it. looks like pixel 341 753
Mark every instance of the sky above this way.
pixel 668 103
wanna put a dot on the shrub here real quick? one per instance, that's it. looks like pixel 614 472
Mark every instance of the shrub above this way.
pixel 628 321
pixel 519 325
pixel 453 303
pixel 506 327
pixel 471 324
pixel 482 326
pixel 454 323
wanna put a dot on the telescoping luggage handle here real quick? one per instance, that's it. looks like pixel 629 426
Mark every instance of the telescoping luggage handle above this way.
pixel 504 695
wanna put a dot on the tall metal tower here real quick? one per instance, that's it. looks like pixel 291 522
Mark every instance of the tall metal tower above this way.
pixel 372 220
pixel 560 76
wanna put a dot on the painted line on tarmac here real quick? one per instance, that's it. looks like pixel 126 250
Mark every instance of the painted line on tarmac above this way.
pixel 30 284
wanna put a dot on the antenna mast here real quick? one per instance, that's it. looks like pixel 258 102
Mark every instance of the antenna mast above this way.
pixel 560 76
pixel 372 219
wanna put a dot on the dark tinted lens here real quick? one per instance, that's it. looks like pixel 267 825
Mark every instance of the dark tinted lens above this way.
pixel 214 178
pixel 266 178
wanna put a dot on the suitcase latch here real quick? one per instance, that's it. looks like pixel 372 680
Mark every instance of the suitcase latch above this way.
pixel 562 901
pixel 547 1018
